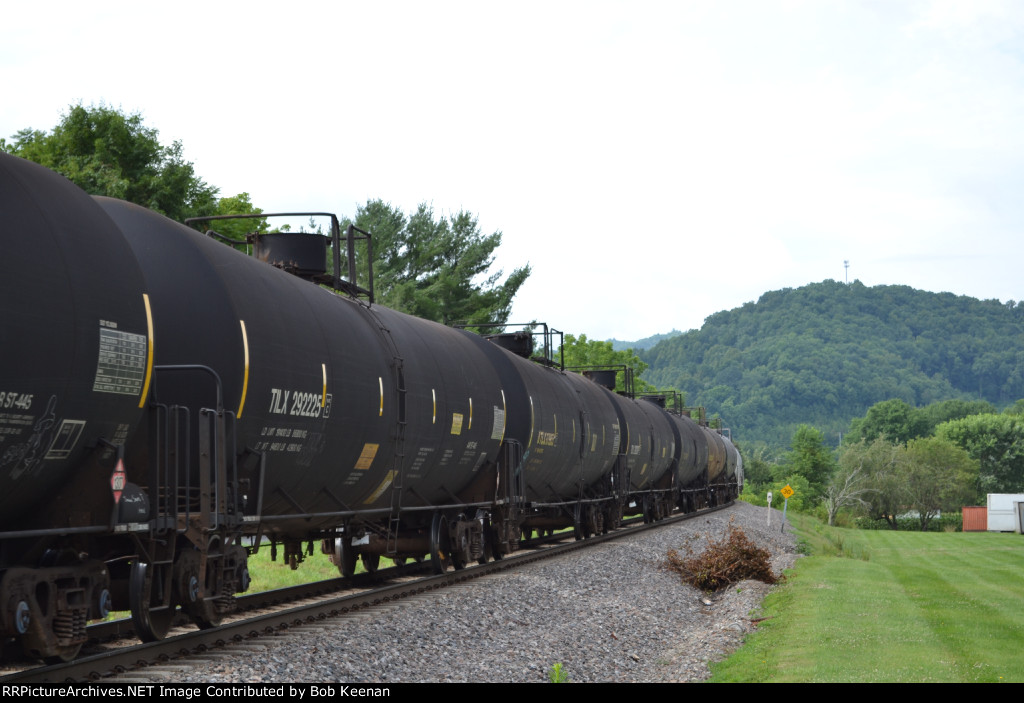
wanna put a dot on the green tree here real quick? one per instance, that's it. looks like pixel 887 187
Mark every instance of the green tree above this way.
pixel 580 351
pixel 1016 409
pixel 757 465
pixel 880 462
pixel 802 499
pixel 236 230
pixel 894 419
pixel 927 475
pixel 437 268
pixel 945 410
pixel 106 152
pixel 810 458
pixel 936 475
pixel 847 486
pixel 996 442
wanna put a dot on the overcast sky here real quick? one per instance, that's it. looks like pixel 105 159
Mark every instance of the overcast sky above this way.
pixel 654 162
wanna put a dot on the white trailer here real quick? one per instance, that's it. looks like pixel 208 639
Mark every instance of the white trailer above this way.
pixel 1004 512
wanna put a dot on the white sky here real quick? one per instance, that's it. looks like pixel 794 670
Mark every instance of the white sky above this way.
pixel 655 162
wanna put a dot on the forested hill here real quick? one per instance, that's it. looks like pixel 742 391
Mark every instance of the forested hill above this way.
pixel 645 343
pixel 823 353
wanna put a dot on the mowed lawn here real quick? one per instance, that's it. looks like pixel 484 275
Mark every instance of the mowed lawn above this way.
pixel 892 606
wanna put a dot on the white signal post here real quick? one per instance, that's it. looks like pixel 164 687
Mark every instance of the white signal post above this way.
pixel 769 509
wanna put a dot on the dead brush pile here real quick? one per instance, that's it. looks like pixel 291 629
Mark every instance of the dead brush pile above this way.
pixel 728 560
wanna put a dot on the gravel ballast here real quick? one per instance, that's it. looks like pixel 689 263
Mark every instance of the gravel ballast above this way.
pixel 608 613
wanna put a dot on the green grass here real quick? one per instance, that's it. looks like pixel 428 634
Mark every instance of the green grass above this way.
pixel 268 575
pixel 891 606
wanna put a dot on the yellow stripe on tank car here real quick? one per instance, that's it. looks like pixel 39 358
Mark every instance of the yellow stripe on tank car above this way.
pixel 245 366
pixel 433 395
pixel 380 384
pixel 323 398
pixel 470 414
pixel 529 443
pixel 149 351
pixel 381 488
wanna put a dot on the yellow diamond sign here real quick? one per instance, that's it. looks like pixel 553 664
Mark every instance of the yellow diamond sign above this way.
pixel 786 492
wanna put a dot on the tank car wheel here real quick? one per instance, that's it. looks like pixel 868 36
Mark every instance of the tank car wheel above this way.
pixel 461 552
pixel 648 509
pixel 344 556
pixel 371 562
pixel 440 544
pixel 150 618
pixel 488 548
pixel 62 655
pixel 486 542
pixel 207 621
pixel 495 544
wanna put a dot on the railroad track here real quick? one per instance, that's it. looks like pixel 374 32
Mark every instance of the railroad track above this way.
pixel 284 609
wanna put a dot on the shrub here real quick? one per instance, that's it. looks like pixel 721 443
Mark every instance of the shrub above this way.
pixel 557 674
pixel 952 522
pixel 732 558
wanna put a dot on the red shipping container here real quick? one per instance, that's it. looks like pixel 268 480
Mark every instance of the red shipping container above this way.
pixel 975 519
